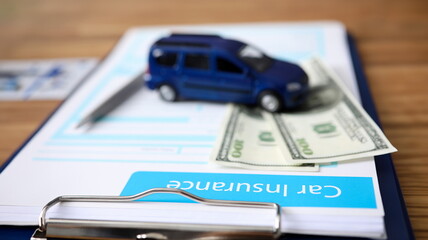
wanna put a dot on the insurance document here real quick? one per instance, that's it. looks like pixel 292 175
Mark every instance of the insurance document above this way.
pixel 147 143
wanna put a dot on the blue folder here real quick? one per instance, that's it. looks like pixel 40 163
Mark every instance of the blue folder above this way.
pixel 397 222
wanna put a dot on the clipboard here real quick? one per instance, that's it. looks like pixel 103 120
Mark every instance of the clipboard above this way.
pixel 396 219
pixel 101 229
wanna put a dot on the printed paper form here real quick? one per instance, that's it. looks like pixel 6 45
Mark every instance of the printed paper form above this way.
pixel 147 134
pixel 42 79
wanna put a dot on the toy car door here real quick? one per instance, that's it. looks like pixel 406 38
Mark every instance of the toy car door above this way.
pixel 197 80
pixel 236 83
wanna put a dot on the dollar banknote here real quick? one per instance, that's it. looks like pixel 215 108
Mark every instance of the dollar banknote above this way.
pixel 330 126
pixel 246 141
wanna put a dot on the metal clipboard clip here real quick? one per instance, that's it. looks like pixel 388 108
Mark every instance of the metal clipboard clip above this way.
pixel 58 228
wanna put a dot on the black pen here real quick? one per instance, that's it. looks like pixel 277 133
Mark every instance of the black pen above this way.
pixel 115 100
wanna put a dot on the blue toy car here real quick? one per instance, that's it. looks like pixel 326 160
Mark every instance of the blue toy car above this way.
pixel 209 67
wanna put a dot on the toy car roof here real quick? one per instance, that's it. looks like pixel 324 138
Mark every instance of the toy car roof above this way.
pixel 200 41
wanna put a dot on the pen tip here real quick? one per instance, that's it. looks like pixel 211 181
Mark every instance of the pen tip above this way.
pixel 82 122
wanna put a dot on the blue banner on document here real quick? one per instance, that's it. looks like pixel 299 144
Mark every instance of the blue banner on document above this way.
pixel 287 191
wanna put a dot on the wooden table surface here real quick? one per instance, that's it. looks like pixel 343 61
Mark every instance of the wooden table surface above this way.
pixel 392 37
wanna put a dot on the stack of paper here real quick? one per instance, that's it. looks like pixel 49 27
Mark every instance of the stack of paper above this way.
pixel 149 143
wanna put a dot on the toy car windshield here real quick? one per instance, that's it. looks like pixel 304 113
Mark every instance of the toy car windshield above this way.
pixel 255 58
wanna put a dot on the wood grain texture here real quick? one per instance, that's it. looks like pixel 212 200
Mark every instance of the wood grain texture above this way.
pixel 392 37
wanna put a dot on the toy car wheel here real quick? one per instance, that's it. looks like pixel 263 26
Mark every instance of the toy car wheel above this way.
pixel 270 101
pixel 167 93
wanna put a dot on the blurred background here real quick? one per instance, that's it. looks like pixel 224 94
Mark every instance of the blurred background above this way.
pixel 392 38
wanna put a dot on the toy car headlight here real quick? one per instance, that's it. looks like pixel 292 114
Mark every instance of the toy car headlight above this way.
pixel 295 86
pixel 147 77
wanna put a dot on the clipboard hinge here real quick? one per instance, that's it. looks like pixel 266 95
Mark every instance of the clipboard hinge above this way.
pixel 105 229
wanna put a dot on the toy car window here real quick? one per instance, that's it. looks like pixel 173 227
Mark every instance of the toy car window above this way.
pixel 165 58
pixel 255 58
pixel 198 61
pixel 224 65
